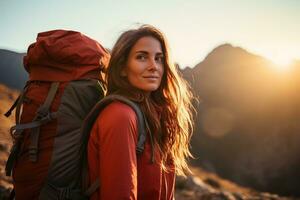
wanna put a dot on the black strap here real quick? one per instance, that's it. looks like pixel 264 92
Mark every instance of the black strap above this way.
pixel 8 113
pixel 12 195
pixel 11 158
pixel 18 102
pixel 51 191
pixel 93 188
pixel 41 112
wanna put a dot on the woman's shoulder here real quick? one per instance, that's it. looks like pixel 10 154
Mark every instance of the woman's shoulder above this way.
pixel 118 111
pixel 116 122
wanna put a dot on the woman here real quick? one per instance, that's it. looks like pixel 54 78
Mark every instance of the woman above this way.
pixel 140 69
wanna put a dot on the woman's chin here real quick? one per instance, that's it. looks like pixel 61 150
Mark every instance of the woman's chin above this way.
pixel 150 88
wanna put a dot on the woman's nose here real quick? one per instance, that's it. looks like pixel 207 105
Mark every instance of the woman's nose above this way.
pixel 153 65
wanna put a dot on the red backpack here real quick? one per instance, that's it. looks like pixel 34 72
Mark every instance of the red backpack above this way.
pixel 54 115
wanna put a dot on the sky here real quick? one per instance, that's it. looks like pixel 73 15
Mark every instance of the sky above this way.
pixel 269 28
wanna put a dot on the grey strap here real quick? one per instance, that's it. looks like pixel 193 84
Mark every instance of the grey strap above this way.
pixel 34 144
pixel 142 132
pixel 33 124
pixel 44 109
pixel 19 104
pixel 16 146
pixel 151 141
pixel 41 112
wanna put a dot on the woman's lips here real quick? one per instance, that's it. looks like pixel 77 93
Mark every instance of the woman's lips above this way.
pixel 151 76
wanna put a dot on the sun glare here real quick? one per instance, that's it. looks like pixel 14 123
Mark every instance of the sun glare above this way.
pixel 282 63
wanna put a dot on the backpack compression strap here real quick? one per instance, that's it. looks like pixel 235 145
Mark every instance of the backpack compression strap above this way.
pixel 42 112
pixel 16 135
pixel 43 116
pixel 88 124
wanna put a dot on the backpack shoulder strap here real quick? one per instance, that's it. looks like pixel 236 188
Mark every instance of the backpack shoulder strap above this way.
pixel 88 124
pixel 141 120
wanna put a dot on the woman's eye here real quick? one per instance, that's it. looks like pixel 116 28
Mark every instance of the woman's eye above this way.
pixel 141 57
pixel 159 59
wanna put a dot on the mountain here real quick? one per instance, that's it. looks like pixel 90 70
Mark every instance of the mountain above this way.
pixel 12 71
pixel 247 126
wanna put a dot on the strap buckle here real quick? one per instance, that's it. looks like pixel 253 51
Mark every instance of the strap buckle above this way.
pixel 16 134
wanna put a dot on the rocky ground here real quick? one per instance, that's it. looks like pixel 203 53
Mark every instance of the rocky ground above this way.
pixel 7 97
pixel 207 186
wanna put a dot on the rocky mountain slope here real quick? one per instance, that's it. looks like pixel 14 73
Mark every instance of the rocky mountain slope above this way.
pixel 247 127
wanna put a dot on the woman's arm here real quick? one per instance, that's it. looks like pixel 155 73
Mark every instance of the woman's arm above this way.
pixel 115 134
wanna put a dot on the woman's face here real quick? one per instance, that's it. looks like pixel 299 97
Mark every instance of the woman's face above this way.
pixel 145 65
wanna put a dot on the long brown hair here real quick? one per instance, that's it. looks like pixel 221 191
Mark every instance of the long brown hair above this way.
pixel 169 108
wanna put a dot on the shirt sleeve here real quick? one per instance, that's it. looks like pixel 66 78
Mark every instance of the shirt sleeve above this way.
pixel 116 130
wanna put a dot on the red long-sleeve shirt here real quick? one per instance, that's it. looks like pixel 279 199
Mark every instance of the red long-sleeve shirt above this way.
pixel 112 157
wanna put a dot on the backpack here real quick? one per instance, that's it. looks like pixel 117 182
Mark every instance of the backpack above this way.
pixel 56 111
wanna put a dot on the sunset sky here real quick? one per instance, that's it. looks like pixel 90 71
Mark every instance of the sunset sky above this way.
pixel 193 27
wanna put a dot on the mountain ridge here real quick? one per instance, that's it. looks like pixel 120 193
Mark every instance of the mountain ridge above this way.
pixel 12 73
